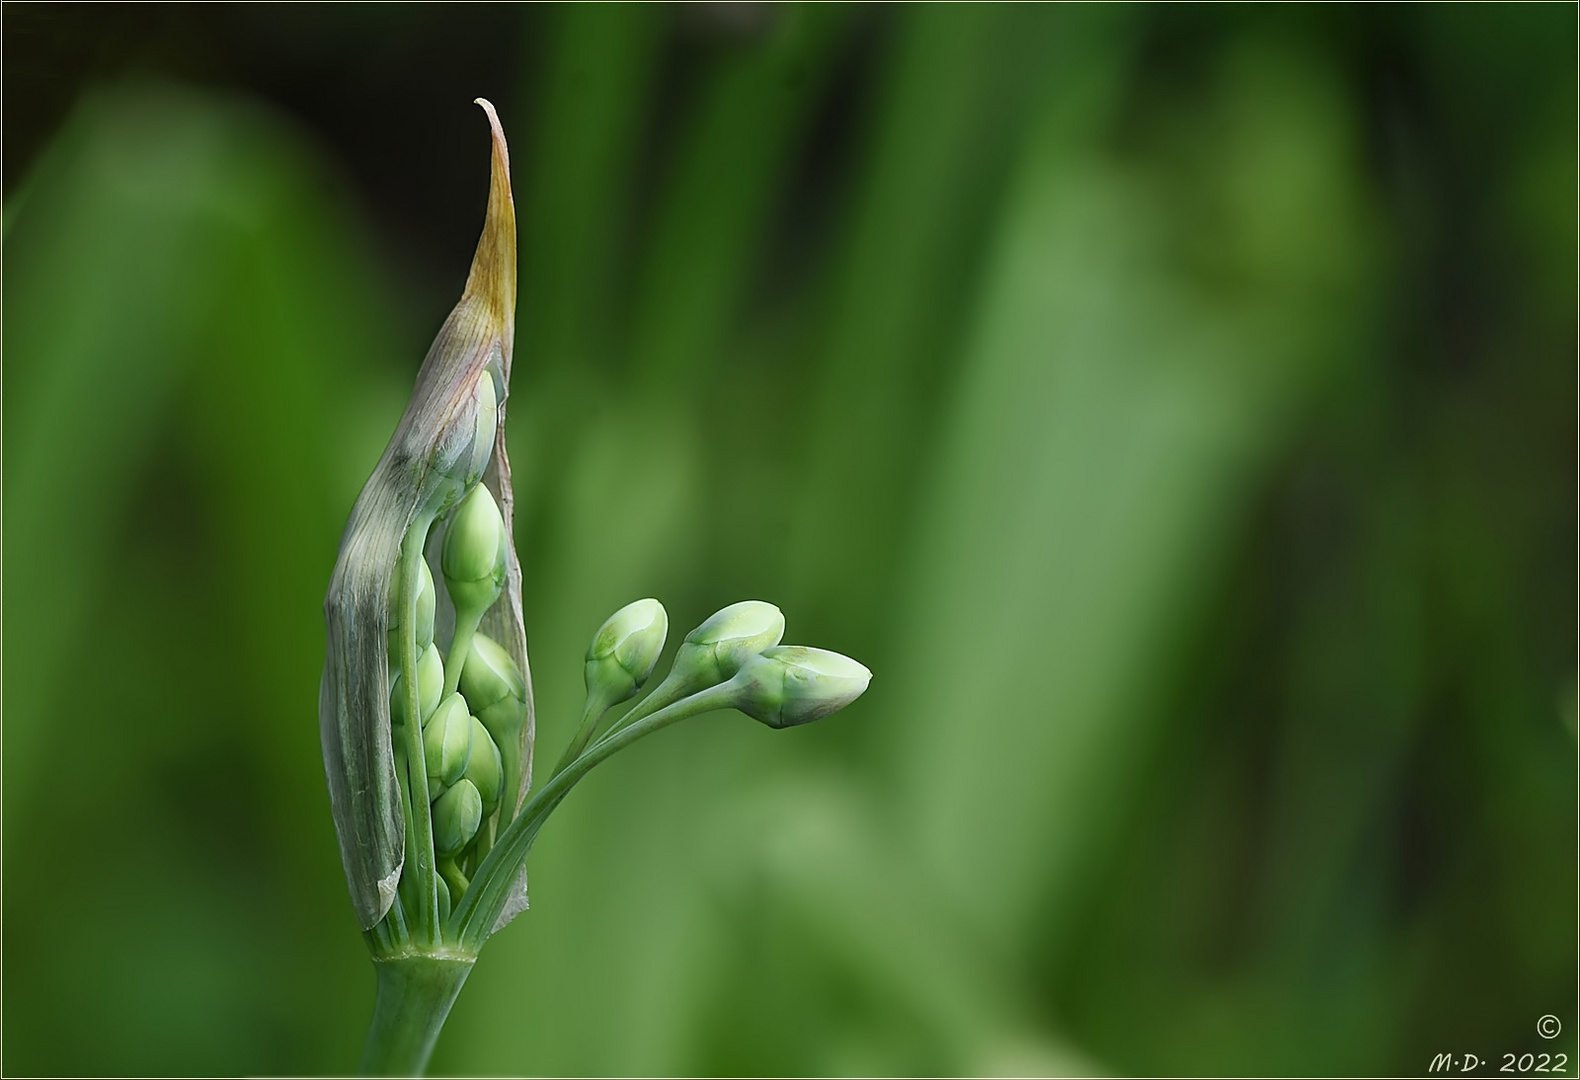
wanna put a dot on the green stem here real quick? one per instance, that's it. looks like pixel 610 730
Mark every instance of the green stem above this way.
pixel 510 761
pixel 592 712
pixel 451 872
pixel 473 918
pixel 419 839
pixel 460 644
pixel 415 994
pixel 672 689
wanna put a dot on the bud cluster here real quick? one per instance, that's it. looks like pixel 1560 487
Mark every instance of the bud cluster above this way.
pixel 733 659
pixel 471 705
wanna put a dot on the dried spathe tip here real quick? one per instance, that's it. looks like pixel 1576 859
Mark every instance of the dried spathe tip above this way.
pixel 493 276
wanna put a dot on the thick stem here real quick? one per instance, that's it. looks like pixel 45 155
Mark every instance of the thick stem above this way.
pixel 414 998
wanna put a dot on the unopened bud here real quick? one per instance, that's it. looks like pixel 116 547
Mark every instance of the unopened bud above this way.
pixel 716 650
pixel 456 817
pixel 430 685
pixel 473 557
pixel 487 423
pixel 465 448
pixel 794 684
pixel 447 743
pixel 425 605
pixel 484 768
pixel 494 689
pixel 625 649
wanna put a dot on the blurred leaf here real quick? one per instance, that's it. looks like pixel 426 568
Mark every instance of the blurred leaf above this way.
pixel 190 340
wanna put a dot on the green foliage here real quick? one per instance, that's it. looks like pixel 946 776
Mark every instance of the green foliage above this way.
pixel 1175 406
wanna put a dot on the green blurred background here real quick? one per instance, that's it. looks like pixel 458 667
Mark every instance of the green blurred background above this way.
pixel 1173 406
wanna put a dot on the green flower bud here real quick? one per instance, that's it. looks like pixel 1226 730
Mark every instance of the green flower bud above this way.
pixel 447 744
pixel 625 649
pixel 485 769
pixel 456 818
pixel 443 894
pixel 430 684
pixel 473 557
pixel 425 604
pixel 467 444
pixel 493 688
pixel 716 650
pixel 794 684
pixel 487 423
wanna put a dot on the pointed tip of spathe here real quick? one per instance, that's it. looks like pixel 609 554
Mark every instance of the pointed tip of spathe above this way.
pixel 500 148
pixel 493 274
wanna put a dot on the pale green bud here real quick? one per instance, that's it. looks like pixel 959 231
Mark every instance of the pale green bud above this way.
pixel 483 433
pixel 466 447
pixel 473 557
pixel 447 743
pixel 430 685
pixel 625 649
pixel 794 684
pixel 445 903
pixel 456 817
pixel 493 687
pixel 485 769
pixel 716 650
pixel 425 604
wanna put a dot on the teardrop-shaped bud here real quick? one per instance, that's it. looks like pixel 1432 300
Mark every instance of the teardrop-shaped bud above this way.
pixel 430 686
pixel 447 743
pixel 486 426
pixel 625 650
pixel 493 687
pixel 426 597
pixel 445 900
pixel 716 650
pixel 473 557
pixel 484 768
pixel 794 684
pixel 456 817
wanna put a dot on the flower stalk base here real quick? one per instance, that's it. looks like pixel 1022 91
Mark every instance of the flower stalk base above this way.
pixel 414 998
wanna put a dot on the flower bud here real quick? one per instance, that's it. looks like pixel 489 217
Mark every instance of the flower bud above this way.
pixel 425 605
pixel 716 650
pixel 483 433
pixel 456 817
pixel 447 744
pixel 467 444
pixel 473 557
pixel 493 687
pixel 430 685
pixel 485 769
pixel 794 684
pixel 624 651
pixel 443 893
